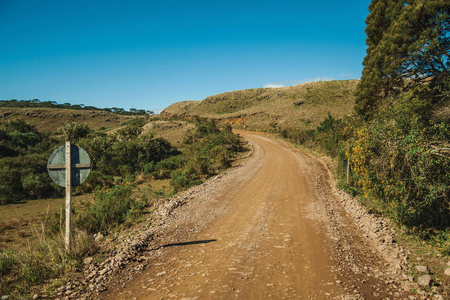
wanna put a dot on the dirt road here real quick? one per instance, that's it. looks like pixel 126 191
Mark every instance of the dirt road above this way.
pixel 272 230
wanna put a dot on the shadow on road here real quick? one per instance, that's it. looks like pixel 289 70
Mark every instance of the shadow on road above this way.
pixel 184 244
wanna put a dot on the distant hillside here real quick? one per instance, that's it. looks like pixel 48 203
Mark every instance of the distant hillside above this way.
pixel 301 106
pixel 49 119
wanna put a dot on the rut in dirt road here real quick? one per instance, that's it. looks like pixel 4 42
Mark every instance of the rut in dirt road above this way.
pixel 273 231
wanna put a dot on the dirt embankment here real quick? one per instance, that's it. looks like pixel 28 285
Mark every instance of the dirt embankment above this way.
pixel 273 226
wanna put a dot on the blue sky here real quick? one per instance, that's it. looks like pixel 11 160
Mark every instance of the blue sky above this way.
pixel 150 54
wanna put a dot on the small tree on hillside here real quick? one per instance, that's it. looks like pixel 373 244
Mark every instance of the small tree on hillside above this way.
pixel 72 131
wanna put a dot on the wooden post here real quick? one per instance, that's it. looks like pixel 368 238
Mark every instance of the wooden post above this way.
pixel 348 170
pixel 68 193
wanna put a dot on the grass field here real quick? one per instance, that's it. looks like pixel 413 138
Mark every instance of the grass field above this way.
pixel 20 222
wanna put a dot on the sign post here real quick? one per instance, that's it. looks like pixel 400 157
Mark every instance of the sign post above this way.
pixel 68 166
pixel 68 193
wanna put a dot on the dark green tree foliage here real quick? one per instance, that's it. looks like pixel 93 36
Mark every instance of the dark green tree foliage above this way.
pixel 73 131
pixel 24 176
pixel 373 84
pixel 327 124
pixel 126 153
pixel 16 137
pixel 23 163
pixel 423 32
pixel 408 45
pixel 205 128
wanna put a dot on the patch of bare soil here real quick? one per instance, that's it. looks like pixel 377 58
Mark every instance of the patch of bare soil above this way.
pixel 272 227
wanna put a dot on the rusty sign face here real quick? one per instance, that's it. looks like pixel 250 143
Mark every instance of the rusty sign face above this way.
pixel 81 165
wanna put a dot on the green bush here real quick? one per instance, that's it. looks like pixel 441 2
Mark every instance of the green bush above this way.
pixel 209 151
pixel 163 168
pixel 73 131
pixel 94 181
pixel 398 162
pixel 327 124
pixel 205 127
pixel 180 179
pixel 110 208
pixel 18 137
pixel 299 136
pixel 24 177
pixel 10 185
pixel 37 185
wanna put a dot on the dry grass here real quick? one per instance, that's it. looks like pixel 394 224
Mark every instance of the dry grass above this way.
pixel 442 112
pixel 19 221
pixel 173 131
pixel 299 106
pixel 49 119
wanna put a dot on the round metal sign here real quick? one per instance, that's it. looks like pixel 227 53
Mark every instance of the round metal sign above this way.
pixel 80 165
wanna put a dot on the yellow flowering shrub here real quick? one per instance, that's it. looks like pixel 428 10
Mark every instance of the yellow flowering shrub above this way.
pixel 396 161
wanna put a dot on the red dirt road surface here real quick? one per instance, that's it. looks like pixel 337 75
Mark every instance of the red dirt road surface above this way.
pixel 271 229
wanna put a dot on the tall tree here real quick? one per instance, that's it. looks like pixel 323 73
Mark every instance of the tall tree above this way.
pixel 374 81
pixel 424 33
pixel 408 46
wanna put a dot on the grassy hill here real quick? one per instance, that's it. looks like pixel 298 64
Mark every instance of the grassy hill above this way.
pixel 300 106
pixel 49 119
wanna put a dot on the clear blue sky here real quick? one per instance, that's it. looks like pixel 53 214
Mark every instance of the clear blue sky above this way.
pixel 150 54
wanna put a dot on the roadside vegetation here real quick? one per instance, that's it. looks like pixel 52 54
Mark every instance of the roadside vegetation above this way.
pixel 120 161
pixel 398 141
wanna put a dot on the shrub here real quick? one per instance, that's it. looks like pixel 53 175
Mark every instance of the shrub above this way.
pixel 10 185
pixel 209 151
pixel 17 137
pixel 95 180
pixel 163 169
pixel 299 136
pixel 73 131
pixel 327 124
pixel 205 127
pixel 398 162
pixel 110 208
pixel 129 133
pixel 180 179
